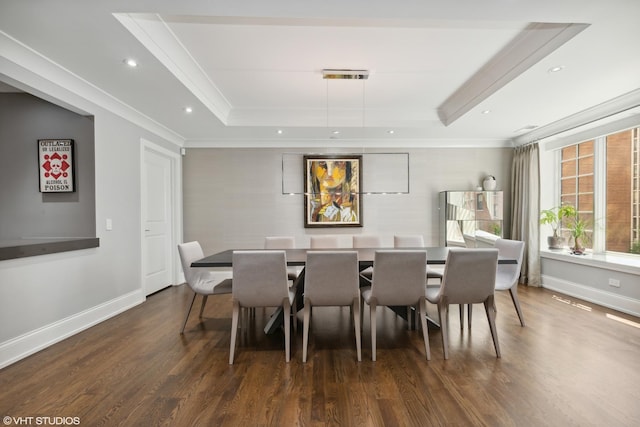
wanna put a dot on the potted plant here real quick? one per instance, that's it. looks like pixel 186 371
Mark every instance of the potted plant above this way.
pixel 554 218
pixel 578 229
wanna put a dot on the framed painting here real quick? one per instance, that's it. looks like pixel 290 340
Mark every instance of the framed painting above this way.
pixel 55 163
pixel 332 191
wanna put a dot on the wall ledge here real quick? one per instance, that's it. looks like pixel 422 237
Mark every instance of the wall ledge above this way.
pixel 617 262
pixel 20 248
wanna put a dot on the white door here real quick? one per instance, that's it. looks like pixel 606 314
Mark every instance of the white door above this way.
pixel 157 221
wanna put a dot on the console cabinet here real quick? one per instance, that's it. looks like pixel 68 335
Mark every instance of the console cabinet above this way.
pixel 470 218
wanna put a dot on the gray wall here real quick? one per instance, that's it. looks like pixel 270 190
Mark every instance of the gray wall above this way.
pixel 233 197
pixel 24 211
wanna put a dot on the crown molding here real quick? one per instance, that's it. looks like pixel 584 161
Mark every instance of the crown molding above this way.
pixel 156 36
pixel 535 42
pixel 363 143
pixel 617 113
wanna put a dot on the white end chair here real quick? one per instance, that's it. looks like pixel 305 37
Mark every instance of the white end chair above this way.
pixel 398 280
pixel 260 280
pixel 202 281
pixel 331 279
pixel 469 278
pixel 508 274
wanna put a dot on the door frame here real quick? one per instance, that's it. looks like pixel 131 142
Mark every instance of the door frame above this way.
pixel 175 160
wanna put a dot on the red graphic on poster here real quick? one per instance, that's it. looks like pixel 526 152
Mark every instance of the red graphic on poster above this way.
pixel 56 166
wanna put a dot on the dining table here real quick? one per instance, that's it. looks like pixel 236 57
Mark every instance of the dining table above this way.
pixel 298 256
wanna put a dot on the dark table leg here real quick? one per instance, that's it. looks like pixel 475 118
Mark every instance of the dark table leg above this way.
pixel 402 312
pixel 277 318
pixel 275 322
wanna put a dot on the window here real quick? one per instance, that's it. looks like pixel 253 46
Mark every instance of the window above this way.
pixel 610 163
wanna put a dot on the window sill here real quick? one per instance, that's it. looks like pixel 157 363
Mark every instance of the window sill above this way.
pixel 21 248
pixel 617 262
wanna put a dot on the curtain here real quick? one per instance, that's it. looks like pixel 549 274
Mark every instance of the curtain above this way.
pixel 525 211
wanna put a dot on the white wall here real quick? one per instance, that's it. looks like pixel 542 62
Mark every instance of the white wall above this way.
pixel 233 197
pixel 46 298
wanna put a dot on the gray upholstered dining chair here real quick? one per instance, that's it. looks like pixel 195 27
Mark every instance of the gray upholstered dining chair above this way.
pixel 201 281
pixel 398 280
pixel 469 278
pixel 283 242
pixel 331 279
pixel 416 241
pixel 260 280
pixel 324 241
pixel 366 241
pixel 279 242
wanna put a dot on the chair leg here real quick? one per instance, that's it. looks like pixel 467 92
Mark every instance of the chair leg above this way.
pixel 204 302
pixel 423 321
pixel 234 330
pixel 443 313
pixel 469 313
pixel 188 312
pixel 294 312
pixel 287 329
pixel 372 314
pixel 361 314
pixel 513 291
pixel 245 320
pixel 490 308
pixel 461 306
pixel 305 329
pixel 409 320
pixel 356 323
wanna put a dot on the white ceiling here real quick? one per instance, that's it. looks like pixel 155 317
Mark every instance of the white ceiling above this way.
pixel 250 68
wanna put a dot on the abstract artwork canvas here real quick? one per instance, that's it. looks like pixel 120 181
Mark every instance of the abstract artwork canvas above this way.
pixel 332 186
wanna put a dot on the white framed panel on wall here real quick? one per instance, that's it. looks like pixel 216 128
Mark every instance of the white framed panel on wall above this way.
pixel 382 173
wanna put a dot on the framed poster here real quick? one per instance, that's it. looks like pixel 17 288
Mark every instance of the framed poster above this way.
pixel 55 163
pixel 332 191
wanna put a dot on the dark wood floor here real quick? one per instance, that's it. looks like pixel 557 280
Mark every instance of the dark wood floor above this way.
pixel 567 367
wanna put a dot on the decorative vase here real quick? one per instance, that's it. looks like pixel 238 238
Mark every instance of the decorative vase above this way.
pixel 489 183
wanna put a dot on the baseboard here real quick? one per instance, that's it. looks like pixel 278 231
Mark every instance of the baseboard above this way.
pixel 20 347
pixel 596 296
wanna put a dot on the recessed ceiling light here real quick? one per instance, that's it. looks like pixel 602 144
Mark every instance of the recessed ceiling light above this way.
pixel 131 62
pixel 555 69
pixel 486 111
pixel 279 131
pixel 336 132
pixel 188 110
pixel 391 131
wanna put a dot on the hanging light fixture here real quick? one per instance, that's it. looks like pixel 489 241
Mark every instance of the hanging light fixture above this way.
pixel 345 74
